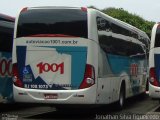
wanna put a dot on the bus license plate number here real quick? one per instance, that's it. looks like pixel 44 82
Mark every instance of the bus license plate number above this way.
pixel 50 96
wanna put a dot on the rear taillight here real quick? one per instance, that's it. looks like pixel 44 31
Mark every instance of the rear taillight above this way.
pixel 24 9
pixel 16 80
pixel 153 78
pixel 158 25
pixel 89 77
pixel 84 9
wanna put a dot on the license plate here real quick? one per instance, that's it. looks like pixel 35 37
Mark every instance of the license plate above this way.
pixel 50 96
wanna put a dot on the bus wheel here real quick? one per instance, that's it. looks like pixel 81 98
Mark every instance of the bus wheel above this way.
pixel 121 101
pixel 147 85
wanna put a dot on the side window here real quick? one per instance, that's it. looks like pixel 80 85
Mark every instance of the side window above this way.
pixel 116 29
pixel 134 35
pixel 117 45
pixel 146 43
pixel 103 25
pixel 105 34
pixel 6 42
pixel 157 38
pixel 137 50
pixel 6 36
pixel 108 43
pixel 120 30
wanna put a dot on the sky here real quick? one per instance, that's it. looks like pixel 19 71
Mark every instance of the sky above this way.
pixel 147 9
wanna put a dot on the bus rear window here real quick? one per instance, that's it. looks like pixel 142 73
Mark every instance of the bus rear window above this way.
pixel 72 22
pixel 157 37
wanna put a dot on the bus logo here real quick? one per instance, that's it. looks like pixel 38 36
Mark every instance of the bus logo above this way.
pixel 5 67
pixel 134 69
pixel 46 67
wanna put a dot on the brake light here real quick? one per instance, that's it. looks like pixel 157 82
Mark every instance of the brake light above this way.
pixel 84 9
pixel 24 9
pixel 16 80
pixel 158 25
pixel 50 35
pixel 153 78
pixel 89 77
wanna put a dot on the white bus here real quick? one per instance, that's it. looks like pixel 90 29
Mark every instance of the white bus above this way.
pixel 66 55
pixel 154 63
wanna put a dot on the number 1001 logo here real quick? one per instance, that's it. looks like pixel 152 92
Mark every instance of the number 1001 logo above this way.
pixel 54 67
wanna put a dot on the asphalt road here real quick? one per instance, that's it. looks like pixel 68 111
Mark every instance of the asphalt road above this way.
pixel 136 108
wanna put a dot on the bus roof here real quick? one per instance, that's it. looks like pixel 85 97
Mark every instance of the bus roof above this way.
pixel 4 17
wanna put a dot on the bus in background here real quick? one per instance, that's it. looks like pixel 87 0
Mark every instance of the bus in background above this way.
pixel 6 42
pixel 154 63
pixel 66 55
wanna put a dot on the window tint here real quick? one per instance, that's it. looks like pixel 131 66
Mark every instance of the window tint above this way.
pixel 137 50
pixel 6 36
pixel 116 45
pixel 53 21
pixel 6 42
pixel 157 37
pixel 120 30
pixel 103 25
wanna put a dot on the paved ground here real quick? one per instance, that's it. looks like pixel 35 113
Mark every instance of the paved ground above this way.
pixel 135 109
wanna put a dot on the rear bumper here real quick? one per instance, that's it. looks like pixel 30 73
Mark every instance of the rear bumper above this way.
pixel 81 96
pixel 154 91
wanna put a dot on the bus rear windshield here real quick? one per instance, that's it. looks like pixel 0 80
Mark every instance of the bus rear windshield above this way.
pixel 157 37
pixel 71 22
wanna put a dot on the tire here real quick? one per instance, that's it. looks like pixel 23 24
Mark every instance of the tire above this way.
pixel 121 101
pixel 147 85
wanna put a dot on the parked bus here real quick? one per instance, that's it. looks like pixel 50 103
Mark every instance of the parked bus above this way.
pixel 154 63
pixel 66 55
pixel 6 42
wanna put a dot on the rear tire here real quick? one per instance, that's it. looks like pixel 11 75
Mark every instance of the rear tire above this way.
pixel 121 101
pixel 147 85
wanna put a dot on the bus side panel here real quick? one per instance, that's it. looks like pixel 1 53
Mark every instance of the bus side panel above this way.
pixel 113 69
pixel 104 91
pixel 6 90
